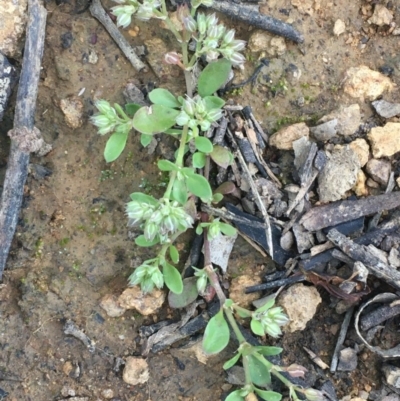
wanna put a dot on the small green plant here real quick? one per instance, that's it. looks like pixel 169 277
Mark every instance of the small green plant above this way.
pixel 187 117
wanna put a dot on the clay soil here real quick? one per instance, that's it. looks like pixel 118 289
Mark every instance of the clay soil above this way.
pixel 72 245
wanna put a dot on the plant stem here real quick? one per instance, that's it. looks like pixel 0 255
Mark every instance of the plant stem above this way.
pixel 188 75
pixel 179 161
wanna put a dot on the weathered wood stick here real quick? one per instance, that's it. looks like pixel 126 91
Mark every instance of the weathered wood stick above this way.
pixel 98 12
pixel 361 253
pixel 250 16
pixel 18 160
pixel 339 212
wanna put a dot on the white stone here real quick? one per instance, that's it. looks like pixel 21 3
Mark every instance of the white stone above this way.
pixel 110 304
pixel 339 28
pixel 145 304
pixel 381 16
pixel 300 302
pixel 136 371
pixel 284 138
pixel 385 141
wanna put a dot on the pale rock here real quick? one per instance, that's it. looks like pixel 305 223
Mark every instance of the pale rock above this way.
pixel 385 141
pixel 339 27
pixel 394 258
pixel 381 16
pixel 136 371
pixel 76 399
pixel 300 302
pixel 360 188
pixel 347 360
pixel 13 17
pixel 287 241
pixel 72 107
pixel 304 238
pixel 93 58
pixel 362 82
pixel 277 46
pixel 67 391
pixel 107 394
pixel 284 138
pixel 325 131
pixel 110 304
pixel 238 285
pixel 261 41
pixel 372 184
pixel 145 304
pixel 361 149
pixel 348 119
pixel 304 6
pixel 221 249
pixel 339 174
pixel 379 170
pixel 392 375
pixel 386 109
pixel 398 181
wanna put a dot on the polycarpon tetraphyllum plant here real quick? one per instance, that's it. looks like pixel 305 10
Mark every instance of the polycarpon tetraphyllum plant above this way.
pixel 187 117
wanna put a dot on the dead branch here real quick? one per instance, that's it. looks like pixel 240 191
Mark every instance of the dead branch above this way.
pixel 361 253
pixel 17 168
pixel 98 12
pixel 251 17
pixel 339 212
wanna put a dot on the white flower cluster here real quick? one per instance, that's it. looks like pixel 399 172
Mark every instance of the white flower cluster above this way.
pixel 108 120
pixel 215 39
pixel 272 320
pixel 143 10
pixel 159 221
pixel 194 113
pixel 147 275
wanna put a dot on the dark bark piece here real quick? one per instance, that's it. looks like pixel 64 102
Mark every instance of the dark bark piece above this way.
pixel 339 212
pixel 252 17
pixel 18 160
pixel 274 284
pixel 8 78
pixel 360 253
pixel 379 316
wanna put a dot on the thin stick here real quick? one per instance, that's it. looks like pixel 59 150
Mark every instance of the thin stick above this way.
pixel 341 338
pixel 17 169
pixel 98 12
pixel 252 17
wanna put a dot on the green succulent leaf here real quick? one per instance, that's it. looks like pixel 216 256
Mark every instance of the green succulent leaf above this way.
pixel 217 198
pixel 268 305
pixel 213 102
pixel 141 197
pixel 199 230
pixel 173 254
pixel 216 335
pixel 179 192
pixel 199 160
pixel 227 229
pixel 235 396
pixel 172 278
pixel 199 186
pixel 268 395
pixel 259 373
pixel 257 327
pixel 145 139
pixel 164 97
pixel 154 119
pixel 115 145
pixel 231 362
pixel 203 144
pixel 166 165
pixel 173 131
pixel 268 351
pixel 142 241
pixel 213 77
pixel 131 109
pixel 221 156
pixel 187 296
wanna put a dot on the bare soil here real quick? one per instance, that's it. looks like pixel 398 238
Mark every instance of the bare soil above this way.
pixel 72 245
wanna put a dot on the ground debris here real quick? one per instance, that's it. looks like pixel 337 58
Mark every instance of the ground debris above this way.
pixel 72 330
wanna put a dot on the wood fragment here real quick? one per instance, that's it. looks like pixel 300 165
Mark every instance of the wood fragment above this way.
pixel 361 253
pixel 98 12
pixel 379 316
pixel 341 338
pixel 316 359
pixel 249 16
pixel 339 212
pixel 18 160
